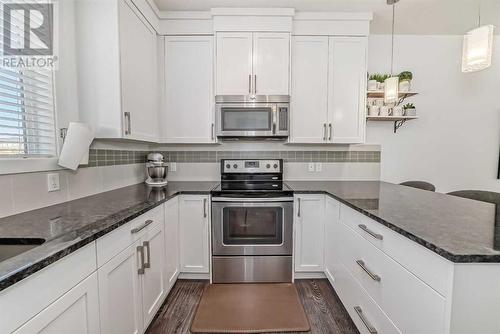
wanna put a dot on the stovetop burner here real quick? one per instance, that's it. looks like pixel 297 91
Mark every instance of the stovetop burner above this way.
pixel 252 178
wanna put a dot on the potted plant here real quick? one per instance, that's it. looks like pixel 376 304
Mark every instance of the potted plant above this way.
pixel 409 110
pixel 381 80
pixel 372 82
pixel 405 78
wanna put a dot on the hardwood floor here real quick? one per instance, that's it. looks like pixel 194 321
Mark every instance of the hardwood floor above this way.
pixel 323 308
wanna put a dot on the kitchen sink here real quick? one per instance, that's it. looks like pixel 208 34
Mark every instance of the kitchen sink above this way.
pixel 10 247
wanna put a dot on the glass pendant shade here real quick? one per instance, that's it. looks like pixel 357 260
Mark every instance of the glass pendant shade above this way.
pixel 477 49
pixel 391 91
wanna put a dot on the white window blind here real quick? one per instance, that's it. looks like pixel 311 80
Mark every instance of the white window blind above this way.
pixel 27 122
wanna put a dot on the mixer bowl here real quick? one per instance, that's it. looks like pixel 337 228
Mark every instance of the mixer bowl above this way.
pixel 157 172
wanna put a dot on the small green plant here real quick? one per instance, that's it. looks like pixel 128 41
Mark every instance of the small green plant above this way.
pixel 405 76
pixel 379 77
pixel 408 106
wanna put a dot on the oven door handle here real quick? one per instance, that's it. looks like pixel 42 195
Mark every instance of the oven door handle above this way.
pixel 254 199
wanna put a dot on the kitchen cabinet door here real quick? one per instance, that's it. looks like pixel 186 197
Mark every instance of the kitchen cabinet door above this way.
pixel 120 293
pixel 171 242
pixel 194 213
pixel 309 100
pixel 76 312
pixel 271 63
pixel 153 280
pixel 139 80
pixel 347 90
pixel 309 233
pixel 332 254
pixel 188 116
pixel 234 63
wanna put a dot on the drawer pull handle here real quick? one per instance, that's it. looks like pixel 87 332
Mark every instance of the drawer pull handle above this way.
pixel 371 329
pixel 147 264
pixel 142 227
pixel 373 276
pixel 140 250
pixel 370 232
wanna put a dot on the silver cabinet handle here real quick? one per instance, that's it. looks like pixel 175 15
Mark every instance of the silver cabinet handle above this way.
pixel 213 131
pixel 373 276
pixel 142 227
pixel 369 327
pixel 204 208
pixel 370 232
pixel 147 264
pixel 275 117
pixel 330 132
pixel 298 209
pixel 249 84
pixel 324 131
pixel 140 250
pixel 128 126
pixel 255 84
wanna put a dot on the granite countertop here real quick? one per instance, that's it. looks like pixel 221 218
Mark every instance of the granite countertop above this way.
pixel 69 226
pixel 458 229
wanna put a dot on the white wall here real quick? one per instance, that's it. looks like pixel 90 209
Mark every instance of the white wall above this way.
pixel 455 142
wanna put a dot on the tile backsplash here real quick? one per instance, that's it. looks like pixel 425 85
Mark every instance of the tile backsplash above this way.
pixel 103 157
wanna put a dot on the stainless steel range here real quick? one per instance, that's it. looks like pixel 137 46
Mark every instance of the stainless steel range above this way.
pixel 252 223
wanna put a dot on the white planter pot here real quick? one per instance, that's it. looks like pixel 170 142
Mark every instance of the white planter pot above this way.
pixel 405 86
pixel 411 112
pixel 381 85
pixel 372 85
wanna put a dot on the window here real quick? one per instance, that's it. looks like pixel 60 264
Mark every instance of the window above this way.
pixel 27 121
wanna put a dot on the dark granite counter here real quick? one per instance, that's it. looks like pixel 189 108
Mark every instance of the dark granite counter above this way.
pixel 71 225
pixel 460 230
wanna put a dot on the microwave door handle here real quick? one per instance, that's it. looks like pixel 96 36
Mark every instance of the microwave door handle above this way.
pixel 275 117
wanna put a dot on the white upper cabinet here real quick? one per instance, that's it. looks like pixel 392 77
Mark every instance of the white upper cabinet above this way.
pixel 117 67
pixel 347 90
pixel 252 63
pixel 234 63
pixel 188 114
pixel 328 89
pixel 309 100
pixel 271 63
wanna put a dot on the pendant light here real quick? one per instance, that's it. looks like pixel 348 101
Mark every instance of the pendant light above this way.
pixel 477 47
pixel 391 90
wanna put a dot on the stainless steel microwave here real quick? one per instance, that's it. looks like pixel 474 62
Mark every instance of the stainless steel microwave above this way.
pixel 252 116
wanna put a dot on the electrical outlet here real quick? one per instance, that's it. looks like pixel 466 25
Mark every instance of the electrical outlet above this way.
pixel 310 167
pixel 173 166
pixel 53 182
pixel 319 167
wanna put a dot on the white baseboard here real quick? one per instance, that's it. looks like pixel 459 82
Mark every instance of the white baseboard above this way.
pixel 309 275
pixel 194 276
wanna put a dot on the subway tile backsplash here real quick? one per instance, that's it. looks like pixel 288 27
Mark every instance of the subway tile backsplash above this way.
pixel 102 157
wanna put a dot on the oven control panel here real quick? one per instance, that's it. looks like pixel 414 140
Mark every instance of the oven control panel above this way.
pixel 251 166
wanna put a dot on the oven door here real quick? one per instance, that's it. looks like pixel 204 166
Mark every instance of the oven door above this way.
pixel 256 227
pixel 246 120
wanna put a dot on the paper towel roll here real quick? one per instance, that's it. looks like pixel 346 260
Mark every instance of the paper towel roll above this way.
pixel 76 145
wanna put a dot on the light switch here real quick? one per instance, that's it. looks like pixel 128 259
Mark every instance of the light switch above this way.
pixel 310 167
pixel 53 182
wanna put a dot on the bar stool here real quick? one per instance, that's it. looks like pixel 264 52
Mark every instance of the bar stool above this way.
pixel 478 195
pixel 419 185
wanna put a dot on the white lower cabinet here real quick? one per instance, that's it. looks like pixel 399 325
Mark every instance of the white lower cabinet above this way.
pixel 194 213
pixel 119 293
pixel 75 312
pixel 171 242
pixel 132 284
pixel 332 253
pixel 309 233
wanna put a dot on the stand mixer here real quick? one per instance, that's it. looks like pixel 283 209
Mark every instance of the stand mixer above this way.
pixel 157 170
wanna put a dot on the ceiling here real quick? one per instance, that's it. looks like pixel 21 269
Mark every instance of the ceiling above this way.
pixel 436 17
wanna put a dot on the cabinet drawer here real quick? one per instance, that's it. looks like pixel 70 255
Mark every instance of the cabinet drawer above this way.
pixel 28 297
pixel 354 297
pixel 113 243
pixel 412 305
pixel 426 265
